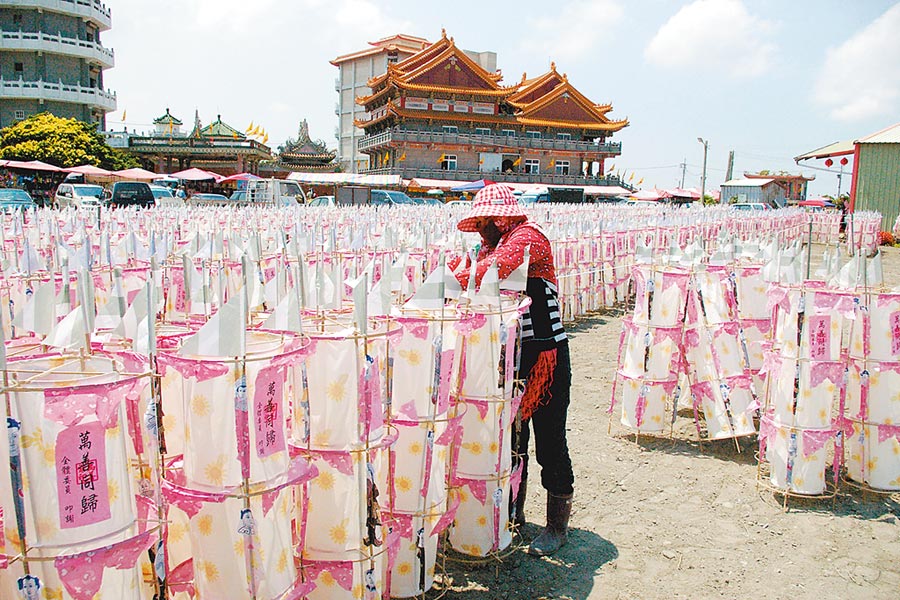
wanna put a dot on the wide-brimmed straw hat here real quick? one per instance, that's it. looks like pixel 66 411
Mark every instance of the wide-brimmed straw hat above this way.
pixel 495 200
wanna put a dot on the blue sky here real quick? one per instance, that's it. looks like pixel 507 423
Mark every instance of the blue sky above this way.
pixel 768 79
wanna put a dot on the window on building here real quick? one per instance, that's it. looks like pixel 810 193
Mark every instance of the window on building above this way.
pixel 18 67
pixel 17 18
pixel 19 115
pixel 532 165
pixel 482 131
pixel 93 82
pixel 564 136
pixel 449 162
pixel 508 132
pixel 90 36
pixel 450 129
pixel 392 58
pixel 533 134
pixel 562 167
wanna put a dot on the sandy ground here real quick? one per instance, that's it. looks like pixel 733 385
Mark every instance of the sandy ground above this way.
pixel 664 518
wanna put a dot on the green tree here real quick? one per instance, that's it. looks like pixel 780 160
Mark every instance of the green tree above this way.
pixel 61 142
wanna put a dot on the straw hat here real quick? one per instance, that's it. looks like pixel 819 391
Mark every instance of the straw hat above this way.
pixel 495 200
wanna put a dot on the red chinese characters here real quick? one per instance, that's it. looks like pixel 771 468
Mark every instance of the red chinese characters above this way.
pixel 819 337
pixel 267 412
pixel 81 478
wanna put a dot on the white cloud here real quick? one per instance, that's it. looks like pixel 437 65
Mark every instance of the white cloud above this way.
pixel 717 35
pixel 231 15
pixel 574 30
pixel 861 77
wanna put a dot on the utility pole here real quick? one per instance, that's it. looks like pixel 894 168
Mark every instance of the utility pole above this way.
pixel 683 169
pixel 703 184
pixel 730 166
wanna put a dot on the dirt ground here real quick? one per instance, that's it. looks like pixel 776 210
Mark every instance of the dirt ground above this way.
pixel 661 518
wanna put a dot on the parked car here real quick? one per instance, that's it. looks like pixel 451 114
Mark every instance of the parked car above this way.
pixel 13 198
pixel 79 195
pixel 207 199
pixel 390 198
pixel 322 201
pixel 429 201
pixel 275 192
pixel 238 196
pixel 163 196
pixel 751 206
pixel 454 203
pixel 131 193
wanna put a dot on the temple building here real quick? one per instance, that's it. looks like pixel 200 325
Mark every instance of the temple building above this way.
pixel 301 154
pixel 440 114
pixel 355 71
pixel 793 186
pixel 218 147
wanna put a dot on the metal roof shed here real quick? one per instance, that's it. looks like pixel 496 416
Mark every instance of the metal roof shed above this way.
pixel 752 190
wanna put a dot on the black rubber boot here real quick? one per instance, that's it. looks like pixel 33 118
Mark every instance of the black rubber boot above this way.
pixel 519 506
pixel 555 534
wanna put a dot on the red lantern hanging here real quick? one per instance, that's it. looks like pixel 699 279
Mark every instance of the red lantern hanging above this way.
pixel 844 161
pixel 828 162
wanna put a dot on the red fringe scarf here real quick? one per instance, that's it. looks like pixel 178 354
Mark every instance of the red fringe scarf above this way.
pixel 537 384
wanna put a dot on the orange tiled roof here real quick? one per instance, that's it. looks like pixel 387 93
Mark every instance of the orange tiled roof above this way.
pixel 500 91
pixel 568 91
pixel 428 59
pixel 528 86
pixel 606 126
pixel 407 43
pixel 395 111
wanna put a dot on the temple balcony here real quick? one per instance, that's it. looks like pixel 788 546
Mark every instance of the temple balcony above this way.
pixel 60 92
pixel 58 44
pixel 507 177
pixel 501 142
pixel 91 10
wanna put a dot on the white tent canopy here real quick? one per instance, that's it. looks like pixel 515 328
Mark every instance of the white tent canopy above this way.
pixel 347 178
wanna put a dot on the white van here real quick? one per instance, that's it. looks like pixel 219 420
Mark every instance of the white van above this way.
pixel 277 192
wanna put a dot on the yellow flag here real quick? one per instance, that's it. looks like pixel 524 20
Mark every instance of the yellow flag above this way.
pixel 641 181
pixel 171 126
pixel 517 162
pixel 441 158
pixel 249 128
pixel 124 112
pixel 610 168
pixel 266 139
pixel 402 157
pixel 255 131
pixel 552 162
pixel 387 157
pixel 632 176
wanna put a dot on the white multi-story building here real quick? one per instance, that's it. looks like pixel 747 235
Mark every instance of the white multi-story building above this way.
pixel 52 60
pixel 356 69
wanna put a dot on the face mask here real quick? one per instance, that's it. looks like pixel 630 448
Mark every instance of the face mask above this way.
pixel 491 234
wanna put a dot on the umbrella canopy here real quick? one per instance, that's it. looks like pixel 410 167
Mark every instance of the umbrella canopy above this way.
pixel 239 177
pixel 653 194
pixel 31 165
pixel 136 173
pixel 472 186
pixel 195 174
pixel 821 202
pixel 89 170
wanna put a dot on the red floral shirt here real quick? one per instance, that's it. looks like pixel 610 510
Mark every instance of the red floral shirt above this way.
pixel 509 253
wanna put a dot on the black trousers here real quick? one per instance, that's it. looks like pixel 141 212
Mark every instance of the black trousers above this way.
pixel 549 424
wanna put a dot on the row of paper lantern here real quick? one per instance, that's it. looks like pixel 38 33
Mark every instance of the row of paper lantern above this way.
pixel 211 480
